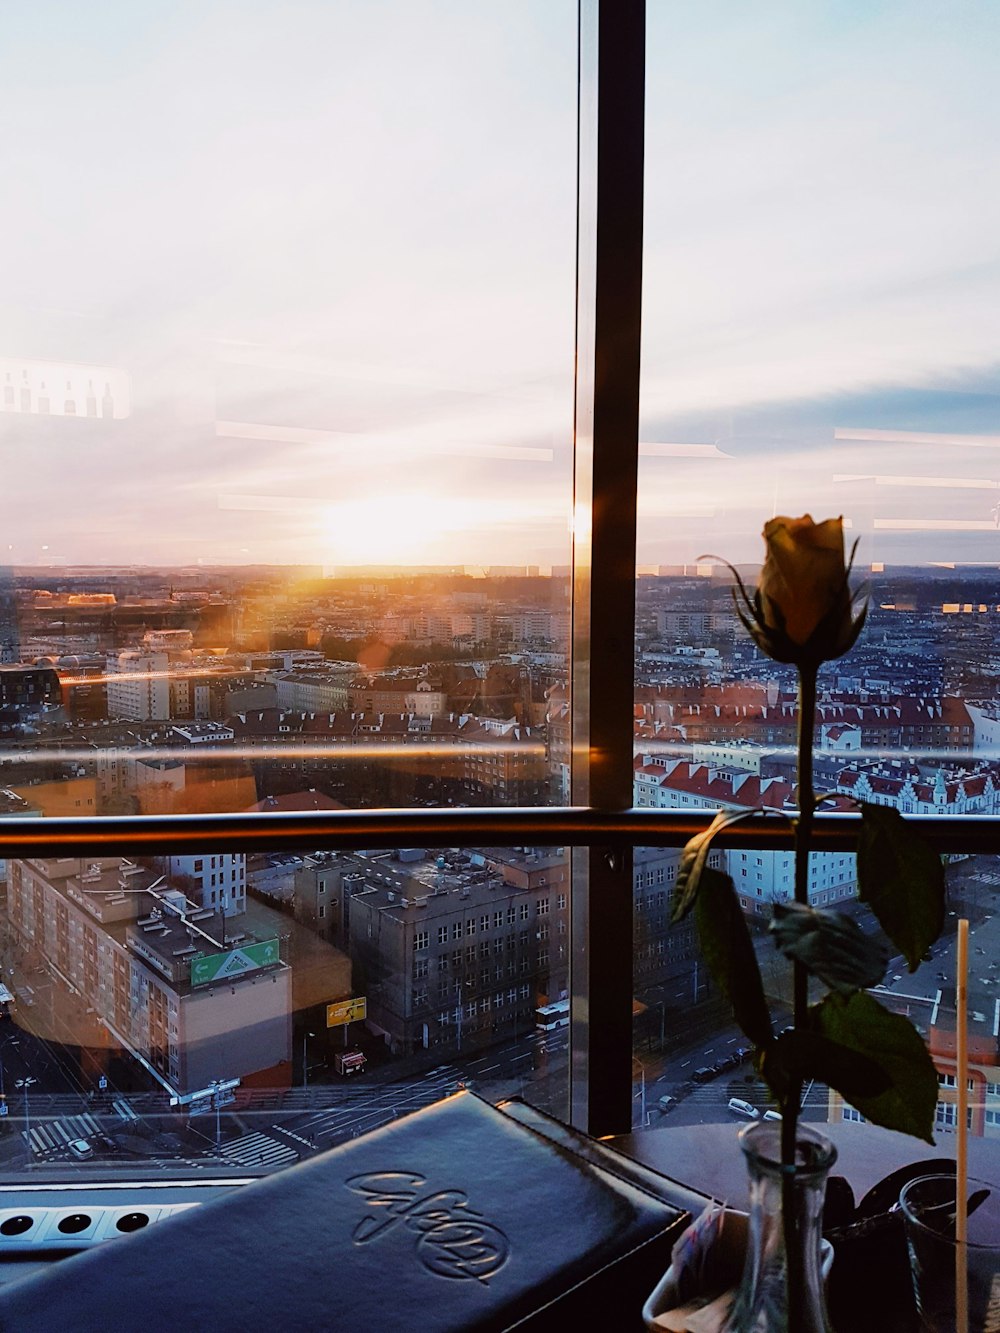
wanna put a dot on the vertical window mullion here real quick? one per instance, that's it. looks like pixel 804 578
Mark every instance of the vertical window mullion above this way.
pixel 609 295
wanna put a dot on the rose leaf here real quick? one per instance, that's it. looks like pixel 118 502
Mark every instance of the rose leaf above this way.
pixel 799 1056
pixel 901 879
pixel 694 859
pixel 829 945
pixel 860 1023
pixel 729 953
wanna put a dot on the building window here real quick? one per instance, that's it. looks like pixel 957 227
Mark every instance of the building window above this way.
pixel 421 939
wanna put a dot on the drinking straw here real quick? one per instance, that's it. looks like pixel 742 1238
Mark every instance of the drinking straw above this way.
pixel 962 1164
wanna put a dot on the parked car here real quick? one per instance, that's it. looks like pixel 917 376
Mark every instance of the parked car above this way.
pixel 703 1074
pixel 80 1148
pixel 666 1103
pixel 772 1115
pixel 739 1107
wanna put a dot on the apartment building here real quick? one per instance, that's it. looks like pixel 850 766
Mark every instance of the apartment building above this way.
pixel 761 878
pixel 215 883
pixel 192 1001
pixel 462 954
pixel 139 686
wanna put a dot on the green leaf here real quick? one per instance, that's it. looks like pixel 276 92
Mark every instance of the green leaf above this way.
pixel 830 945
pixel 729 953
pixel 694 859
pixel 799 1056
pixel 902 881
pixel 861 1023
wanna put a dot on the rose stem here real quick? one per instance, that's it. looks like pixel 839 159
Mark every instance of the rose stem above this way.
pixel 790 1110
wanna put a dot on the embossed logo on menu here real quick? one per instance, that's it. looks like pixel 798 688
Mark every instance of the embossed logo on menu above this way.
pixel 451 1238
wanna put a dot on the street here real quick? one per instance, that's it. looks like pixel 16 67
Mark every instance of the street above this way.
pixel 49 1104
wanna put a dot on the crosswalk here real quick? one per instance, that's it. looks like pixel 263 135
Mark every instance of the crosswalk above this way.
pixel 256 1149
pixel 378 1105
pixel 53 1136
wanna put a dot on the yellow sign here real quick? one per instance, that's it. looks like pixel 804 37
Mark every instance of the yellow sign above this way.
pixel 346 1011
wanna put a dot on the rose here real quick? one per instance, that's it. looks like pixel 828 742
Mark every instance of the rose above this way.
pixel 802 610
pixel 804 578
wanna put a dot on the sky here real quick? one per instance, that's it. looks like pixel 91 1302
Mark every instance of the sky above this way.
pixel 322 256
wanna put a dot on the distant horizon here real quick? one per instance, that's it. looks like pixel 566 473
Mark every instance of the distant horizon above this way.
pixel 707 571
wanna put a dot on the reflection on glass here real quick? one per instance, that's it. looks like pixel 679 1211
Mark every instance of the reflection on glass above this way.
pixel 247 1011
pixel 286 397
pixel 286 407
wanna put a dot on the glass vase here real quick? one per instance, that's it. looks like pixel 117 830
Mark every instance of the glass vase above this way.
pixel 762 1303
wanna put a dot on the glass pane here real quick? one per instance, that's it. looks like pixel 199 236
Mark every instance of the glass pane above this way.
pixel 819 266
pixel 691 1059
pixel 336 993
pixel 286 359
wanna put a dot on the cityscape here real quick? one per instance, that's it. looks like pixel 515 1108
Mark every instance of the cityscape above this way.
pixel 242 1011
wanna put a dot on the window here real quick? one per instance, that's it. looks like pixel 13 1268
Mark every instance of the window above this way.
pixel 281 362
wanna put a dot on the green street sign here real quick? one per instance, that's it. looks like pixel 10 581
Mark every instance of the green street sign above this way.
pixel 234 962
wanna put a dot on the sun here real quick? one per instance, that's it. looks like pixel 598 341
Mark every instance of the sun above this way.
pixel 388 529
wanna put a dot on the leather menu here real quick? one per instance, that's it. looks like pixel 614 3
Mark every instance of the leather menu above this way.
pixel 457 1217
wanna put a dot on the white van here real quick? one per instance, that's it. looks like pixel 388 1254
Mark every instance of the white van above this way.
pixel 739 1107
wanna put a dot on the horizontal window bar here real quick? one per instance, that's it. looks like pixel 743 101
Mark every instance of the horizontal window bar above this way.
pixel 547 826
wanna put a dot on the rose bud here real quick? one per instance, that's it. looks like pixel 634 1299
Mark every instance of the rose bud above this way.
pixel 803 610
